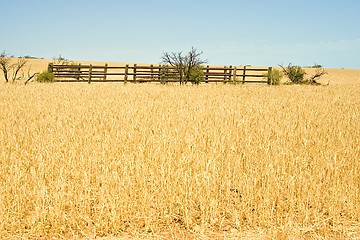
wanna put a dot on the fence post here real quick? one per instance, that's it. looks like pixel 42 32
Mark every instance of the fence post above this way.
pixel 269 78
pixel 225 73
pixel 230 73
pixel 207 74
pixel 159 73
pixel 162 74
pixel 78 72
pixel 234 75
pixel 152 73
pixel 134 78
pixel 244 75
pixel 126 73
pixel 51 68
pixel 90 73
pixel 105 71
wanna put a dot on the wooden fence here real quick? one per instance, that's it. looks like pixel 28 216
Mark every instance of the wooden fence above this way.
pixel 153 73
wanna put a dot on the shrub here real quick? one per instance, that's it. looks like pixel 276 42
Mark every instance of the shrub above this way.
pixel 273 77
pixel 45 77
pixel 296 74
pixel 196 75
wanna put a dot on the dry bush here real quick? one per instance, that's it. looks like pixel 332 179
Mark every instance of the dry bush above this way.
pixel 86 161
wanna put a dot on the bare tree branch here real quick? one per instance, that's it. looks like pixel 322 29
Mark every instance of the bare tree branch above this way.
pixel 28 80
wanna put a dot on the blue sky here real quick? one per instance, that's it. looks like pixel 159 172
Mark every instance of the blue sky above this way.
pixel 229 32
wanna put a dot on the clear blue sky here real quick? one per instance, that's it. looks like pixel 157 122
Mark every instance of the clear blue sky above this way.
pixel 229 32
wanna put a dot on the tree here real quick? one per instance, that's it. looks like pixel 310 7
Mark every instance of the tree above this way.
pixel 9 69
pixel 184 65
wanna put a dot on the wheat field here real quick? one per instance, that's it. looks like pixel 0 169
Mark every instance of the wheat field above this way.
pixel 151 161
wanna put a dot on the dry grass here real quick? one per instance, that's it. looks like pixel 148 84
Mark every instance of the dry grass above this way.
pixel 152 161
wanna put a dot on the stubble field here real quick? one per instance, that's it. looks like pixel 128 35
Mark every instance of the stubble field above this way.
pixel 147 160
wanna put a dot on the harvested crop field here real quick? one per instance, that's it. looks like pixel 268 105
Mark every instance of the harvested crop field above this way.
pixel 162 161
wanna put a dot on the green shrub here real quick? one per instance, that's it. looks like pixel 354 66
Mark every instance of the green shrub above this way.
pixel 295 74
pixel 196 75
pixel 273 77
pixel 45 77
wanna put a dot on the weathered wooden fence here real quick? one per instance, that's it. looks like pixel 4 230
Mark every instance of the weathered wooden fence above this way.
pixel 153 73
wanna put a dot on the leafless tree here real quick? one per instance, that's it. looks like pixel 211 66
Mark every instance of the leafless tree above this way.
pixel 9 68
pixel 318 74
pixel 183 65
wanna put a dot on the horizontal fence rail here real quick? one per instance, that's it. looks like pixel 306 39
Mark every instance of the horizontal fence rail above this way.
pixel 154 73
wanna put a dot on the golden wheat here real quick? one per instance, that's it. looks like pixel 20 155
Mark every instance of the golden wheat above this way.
pixel 105 160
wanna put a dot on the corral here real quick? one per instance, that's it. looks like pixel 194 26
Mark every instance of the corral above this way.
pixel 152 73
